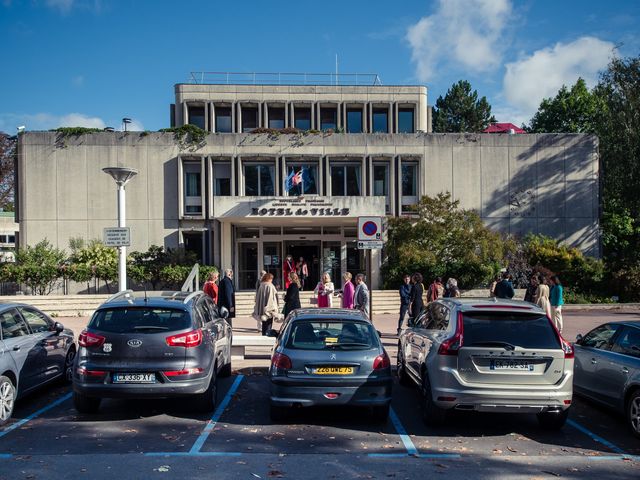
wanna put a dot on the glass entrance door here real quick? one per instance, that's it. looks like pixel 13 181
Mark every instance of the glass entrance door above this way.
pixel 247 265
pixel 308 252
pixel 331 262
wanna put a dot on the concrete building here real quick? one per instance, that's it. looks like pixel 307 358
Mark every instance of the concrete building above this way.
pixel 246 200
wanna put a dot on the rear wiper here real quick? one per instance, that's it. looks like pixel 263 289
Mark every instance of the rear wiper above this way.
pixel 149 327
pixel 505 345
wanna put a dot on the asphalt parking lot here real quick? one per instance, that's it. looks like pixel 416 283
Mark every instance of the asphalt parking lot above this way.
pixel 140 439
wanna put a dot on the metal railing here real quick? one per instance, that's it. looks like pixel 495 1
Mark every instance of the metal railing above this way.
pixel 259 78
pixel 192 283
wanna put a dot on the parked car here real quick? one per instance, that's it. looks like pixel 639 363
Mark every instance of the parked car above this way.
pixel 34 351
pixel 329 356
pixel 487 356
pixel 160 345
pixel 608 368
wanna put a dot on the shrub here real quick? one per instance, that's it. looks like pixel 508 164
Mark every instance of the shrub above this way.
pixel 626 283
pixel 38 267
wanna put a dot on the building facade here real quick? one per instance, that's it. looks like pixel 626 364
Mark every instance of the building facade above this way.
pixel 247 195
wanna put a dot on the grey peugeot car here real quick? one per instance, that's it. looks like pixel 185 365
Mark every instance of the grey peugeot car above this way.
pixel 329 356
pixel 156 345
pixel 608 368
pixel 487 356
pixel 34 351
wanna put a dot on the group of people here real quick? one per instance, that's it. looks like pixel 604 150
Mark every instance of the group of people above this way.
pixel 547 293
pixel 222 292
pixel 267 305
pixel 300 268
pixel 412 291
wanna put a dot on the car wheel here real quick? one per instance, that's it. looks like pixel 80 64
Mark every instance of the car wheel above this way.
pixel 67 374
pixel 225 371
pixel 7 399
pixel 432 415
pixel 380 413
pixel 553 420
pixel 401 370
pixel 277 414
pixel 633 413
pixel 205 402
pixel 85 404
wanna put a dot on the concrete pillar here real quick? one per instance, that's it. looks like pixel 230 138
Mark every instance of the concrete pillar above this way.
pixel 390 118
pixel 313 116
pixel 212 117
pixel 239 117
pixel 286 115
pixel 266 114
pixel 206 116
pixel 376 261
pixel 260 123
pixel 234 127
pixel 392 186
pixel 185 114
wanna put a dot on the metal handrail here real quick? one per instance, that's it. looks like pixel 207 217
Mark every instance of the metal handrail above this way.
pixel 281 78
pixel 189 285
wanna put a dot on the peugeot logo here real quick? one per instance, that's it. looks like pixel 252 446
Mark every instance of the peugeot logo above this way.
pixel 333 356
pixel 134 342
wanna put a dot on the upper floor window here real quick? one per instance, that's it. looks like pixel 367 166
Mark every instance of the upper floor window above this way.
pixel 328 118
pixel 406 120
pixel 302 117
pixel 380 120
pixel 221 178
pixel 381 182
pixel 192 189
pixel 249 118
pixel 301 179
pixel 196 115
pixel 223 119
pixel 276 117
pixel 409 185
pixel 259 179
pixel 346 180
pixel 354 120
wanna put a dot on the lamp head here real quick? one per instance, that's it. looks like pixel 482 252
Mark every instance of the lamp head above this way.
pixel 121 174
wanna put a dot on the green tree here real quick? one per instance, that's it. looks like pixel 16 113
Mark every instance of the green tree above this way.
pixel 99 260
pixel 444 240
pixel 575 110
pixel 461 111
pixel 38 267
pixel 146 267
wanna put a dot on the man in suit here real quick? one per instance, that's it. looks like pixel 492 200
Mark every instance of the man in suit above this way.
pixel 227 294
pixel 504 289
pixel 361 296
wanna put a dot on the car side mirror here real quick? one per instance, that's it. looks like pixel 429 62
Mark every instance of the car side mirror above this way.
pixel 272 333
pixel 579 339
pixel 224 313
pixel 58 327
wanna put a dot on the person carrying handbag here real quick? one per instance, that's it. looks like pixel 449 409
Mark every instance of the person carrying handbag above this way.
pixel 324 291
pixel 266 308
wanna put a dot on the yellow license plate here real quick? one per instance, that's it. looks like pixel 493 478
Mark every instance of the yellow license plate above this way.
pixel 333 371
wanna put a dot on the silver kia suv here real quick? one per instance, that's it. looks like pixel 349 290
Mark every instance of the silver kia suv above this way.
pixel 489 356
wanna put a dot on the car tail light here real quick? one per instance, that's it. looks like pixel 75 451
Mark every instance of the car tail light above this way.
pixel 452 344
pixel 331 395
pixel 381 361
pixel 88 339
pixel 188 371
pixel 567 348
pixel 281 361
pixel 188 340
pixel 567 402
pixel 82 371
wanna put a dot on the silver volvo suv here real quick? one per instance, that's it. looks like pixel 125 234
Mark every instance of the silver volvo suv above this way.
pixel 490 356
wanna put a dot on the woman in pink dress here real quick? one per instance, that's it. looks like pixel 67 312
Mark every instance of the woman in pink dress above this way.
pixel 324 291
pixel 347 291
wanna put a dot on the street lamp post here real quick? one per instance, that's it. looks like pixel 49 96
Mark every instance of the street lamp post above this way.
pixel 121 175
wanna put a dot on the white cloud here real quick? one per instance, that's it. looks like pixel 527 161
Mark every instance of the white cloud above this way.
pixel 540 75
pixel 63 6
pixel 466 31
pixel 47 121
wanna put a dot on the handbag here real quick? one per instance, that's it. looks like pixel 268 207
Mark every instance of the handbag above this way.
pixel 313 300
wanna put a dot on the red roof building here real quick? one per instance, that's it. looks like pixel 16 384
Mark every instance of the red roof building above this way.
pixel 503 128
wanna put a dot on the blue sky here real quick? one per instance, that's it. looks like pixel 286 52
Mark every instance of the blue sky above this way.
pixel 93 62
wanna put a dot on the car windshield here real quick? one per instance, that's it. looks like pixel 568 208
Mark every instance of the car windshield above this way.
pixel 140 320
pixel 332 334
pixel 509 330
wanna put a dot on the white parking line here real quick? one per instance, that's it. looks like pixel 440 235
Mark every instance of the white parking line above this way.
pixel 18 424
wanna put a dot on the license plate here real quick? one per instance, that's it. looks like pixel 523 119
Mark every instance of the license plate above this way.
pixel 517 365
pixel 134 378
pixel 334 371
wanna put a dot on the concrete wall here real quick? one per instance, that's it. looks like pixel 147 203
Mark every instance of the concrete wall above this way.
pixel 545 183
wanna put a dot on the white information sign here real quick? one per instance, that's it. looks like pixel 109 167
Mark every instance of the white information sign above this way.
pixel 370 244
pixel 116 236
pixel 369 228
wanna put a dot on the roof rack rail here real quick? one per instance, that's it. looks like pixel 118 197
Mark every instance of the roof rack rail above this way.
pixel 191 295
pixel 123 295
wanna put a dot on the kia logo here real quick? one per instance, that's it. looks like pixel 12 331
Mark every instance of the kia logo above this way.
pixel 134 342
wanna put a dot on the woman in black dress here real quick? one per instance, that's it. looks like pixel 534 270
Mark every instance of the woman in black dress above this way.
pixel 292 297
pixel 417 290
